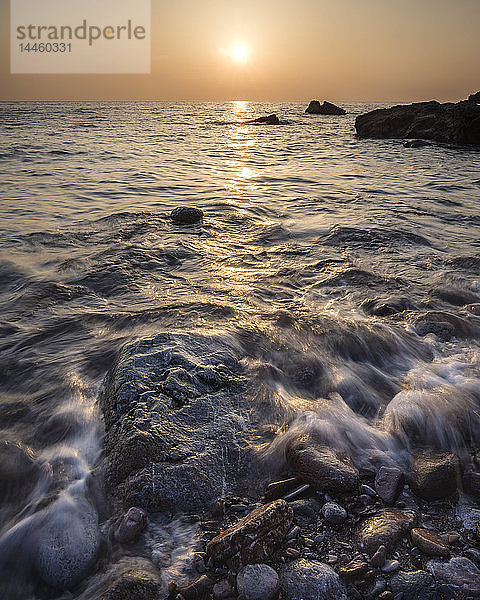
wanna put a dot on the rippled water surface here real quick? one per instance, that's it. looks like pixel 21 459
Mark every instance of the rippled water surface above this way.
pixel 332 245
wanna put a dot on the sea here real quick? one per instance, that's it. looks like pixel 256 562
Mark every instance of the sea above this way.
pixel 369 251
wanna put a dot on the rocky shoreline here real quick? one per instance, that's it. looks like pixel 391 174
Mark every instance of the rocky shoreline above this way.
pixel 322 530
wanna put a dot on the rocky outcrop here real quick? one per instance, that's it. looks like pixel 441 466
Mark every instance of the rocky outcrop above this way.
pixel 324 468
pixel 434 475
pixel 386 528
pixel 268 120
pixel 253 538
pixel 327 108
pixel 449 123
pixel 474 97
pixel 176 422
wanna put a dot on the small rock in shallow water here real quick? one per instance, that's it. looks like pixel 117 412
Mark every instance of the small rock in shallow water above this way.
pixel 258 582
pixel 325 469
pixel 414 585
pixel 310 580
pixel 186 215
pixel 254 537
pixel 434 475
pixel 131 525
pixel 389 482
pixel 333 513
pixel 386 528
pixel 137 583
pixel 429 542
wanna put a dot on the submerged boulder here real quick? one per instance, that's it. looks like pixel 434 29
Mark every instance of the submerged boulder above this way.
pixel 176 420
pixel 449 123
pixel 327 108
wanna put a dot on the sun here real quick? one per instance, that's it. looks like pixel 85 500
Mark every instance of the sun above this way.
pixel 239 53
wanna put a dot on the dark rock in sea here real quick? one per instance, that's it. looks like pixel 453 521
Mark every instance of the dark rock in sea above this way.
pixel 253 538
pixel 176 418
pixel 131 525
pixel 186 215
pixel 386 307
pixel 389 482
pixel 138 583
pixel 414 585
pixel 386 528
pixel 258 582
pixel 268 120
pixel 327 108
pixel 372 239
pixel 450 123
pixel 474 97
pixel 310 580
pixel 416 144
pixel 444 325
pixel 68 542
pixel 429 542
pixel 434 475
pixel 458 573
pixel 324 468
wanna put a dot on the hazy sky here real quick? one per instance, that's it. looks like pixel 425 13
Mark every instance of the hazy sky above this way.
pixel 341 50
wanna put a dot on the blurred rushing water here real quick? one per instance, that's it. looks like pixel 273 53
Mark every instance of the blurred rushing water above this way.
pixel 302 221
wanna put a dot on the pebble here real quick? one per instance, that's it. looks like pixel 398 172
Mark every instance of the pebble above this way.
pixel 380 557
pixel 222 590
pixel 391 566
pixel 293 552
pixel 132 524
pixel 355 569
pixel 386 595
pixel 366 489
pixel 258 582
pixel 378 587
pixel 334 513
pixel 389 482
pixel 365 499
pixel 297 492
pixel 332 558
pixel 293 533
pixel 429 542
pixel 452 537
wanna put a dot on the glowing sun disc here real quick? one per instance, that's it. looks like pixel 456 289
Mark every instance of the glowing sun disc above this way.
pixel 240 53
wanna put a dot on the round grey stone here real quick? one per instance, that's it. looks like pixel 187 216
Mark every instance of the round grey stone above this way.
pixel 310 580
pixel 334 513
pixel 257 582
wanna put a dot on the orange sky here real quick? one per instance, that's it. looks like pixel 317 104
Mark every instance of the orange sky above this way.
pixel 341 50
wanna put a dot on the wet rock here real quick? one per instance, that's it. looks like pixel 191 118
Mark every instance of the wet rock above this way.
pixel 131 525
pixel 323 468
pixel 380 557
pixel 333 513
pixel 474 97
pixel 297 492
pixel 416 144
pixel 67 542
pixel 258 582
pixel 429 542
pixel 222 589
pixel 454 296
pixel 277 489
pixel 137 583
pixel 391 566
pixel 471 483
pixel 254 537
pixel 451 123
pixel 355 569
pixel 414 585
pixel 310 580
pixel 389 482
pixel 434 475
pixel 186 215
pixel 386 528
pixel 386 307
pixel 197 589
pixel 327 108
pixel 268 120
pixel 176 419
pixel 459 573
pixel 376 589
pixel 305 510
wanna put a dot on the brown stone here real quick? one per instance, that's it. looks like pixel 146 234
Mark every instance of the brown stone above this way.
pixel 434 475
pixel 254 537
pixel 131 525
pixel 429 542
pixel 355 569
pixel 323 468
pixel 277 489
pixel 386 528
pixel 389 482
